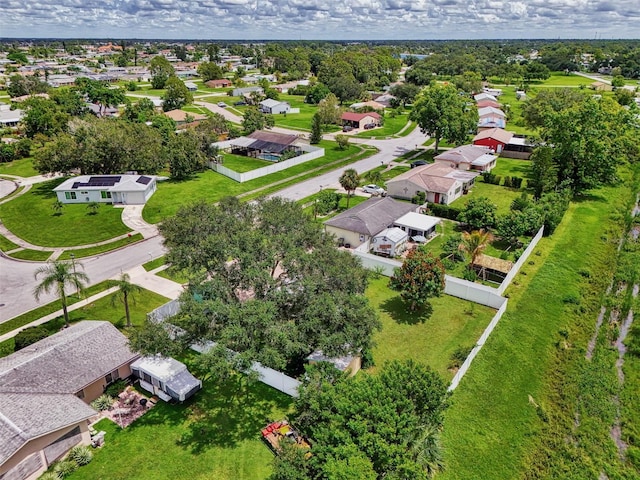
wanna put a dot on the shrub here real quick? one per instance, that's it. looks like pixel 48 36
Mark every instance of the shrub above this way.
pixel 470 275
pixel 497 179
pixel 507 182
pixel 80 454
pixel 102 403
pixel 488 177
pixel 419 198
pixel 516 182
pixel 327 201
pixel 49 476
pixel 115 388
pixel 29 336
pixel 65 468
pixel 458 357
pixel 444 211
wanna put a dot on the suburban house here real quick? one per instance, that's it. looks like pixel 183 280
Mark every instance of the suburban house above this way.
pixel 8 117
pixel 384 99
pixel 491 117
pixel 262 144
pixel 241 92
pixel 192 87
pixel 370 104
pixel 285 87
pixel 121 189
pixel 361 223
pixel 487 103
pixel 218 83
pixel 390 242
pixel 274 106
pixel 359 120
pixel 180 116
pixel 440 183
pixel 45 390
pixel 484 96
pixel 165 377
pixel 494 138
pixel 468 157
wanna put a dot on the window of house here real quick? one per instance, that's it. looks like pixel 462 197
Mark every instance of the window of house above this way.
pixel 84 193
pixel 105 194
pixel 146 377
pixel 70 195
pixel 458 189
pixel 109 378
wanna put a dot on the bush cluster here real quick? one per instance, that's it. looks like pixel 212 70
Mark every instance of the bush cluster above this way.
pixel 444 211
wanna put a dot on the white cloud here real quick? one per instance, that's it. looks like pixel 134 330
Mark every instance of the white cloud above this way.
pixel 309 19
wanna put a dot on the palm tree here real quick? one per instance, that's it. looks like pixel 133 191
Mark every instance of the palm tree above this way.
pixel 127 290
pixel 474 243
pixel 57 275
pixel 349 180
pixel 374 176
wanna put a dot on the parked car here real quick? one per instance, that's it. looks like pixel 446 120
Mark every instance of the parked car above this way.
pixel 347 128
pixel 222 104
pixel 369 126
pixel 240 103
pixel 374 190
pixel 419 163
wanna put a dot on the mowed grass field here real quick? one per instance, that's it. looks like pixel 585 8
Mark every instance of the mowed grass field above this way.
pixel 214 435
pixel 491 427
pixel 75 226
pixel 454 323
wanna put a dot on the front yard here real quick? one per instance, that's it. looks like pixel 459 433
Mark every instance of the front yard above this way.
pixel 215 435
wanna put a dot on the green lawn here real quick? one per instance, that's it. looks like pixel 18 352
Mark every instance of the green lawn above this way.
pixel 90 251
pixel 212 186
pixel 34 255
pixel 501 196
pixel 492 428
pixel 74 227
pixel 215 435
pixel 454 323
pixel 242 163
pixel 298 121
pixel 342 205
pixel 21 168
pixel 6 244
pixel 511 167
pixel 155 263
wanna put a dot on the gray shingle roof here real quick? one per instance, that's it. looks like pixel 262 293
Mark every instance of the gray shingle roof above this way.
pixel 371 216
pixel 67 361
pixel 38 383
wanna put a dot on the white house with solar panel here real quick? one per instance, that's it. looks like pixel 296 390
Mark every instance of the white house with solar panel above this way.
pixel 116 189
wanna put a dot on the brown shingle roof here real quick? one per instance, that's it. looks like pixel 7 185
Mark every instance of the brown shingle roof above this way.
pixel 496 133
pixel 356 117
pixel 371 216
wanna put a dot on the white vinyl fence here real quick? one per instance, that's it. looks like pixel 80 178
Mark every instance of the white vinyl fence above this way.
pixel 523 258
pixel 312 154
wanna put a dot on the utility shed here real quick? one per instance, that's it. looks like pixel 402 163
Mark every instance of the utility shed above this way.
pixel 165 377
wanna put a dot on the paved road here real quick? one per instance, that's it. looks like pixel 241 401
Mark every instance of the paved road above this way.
pixel 594 77
pixel 389 150
pixel 17 281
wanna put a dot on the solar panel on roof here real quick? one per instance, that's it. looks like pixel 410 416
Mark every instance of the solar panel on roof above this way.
pixel 103 181
pixel 143 180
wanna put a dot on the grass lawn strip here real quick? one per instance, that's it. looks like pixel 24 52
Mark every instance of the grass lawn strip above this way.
pixel 75 226
pixel 155 263
pixel 454 323
pixel 20 168
pixel 215 435
pixel 490 424
pixel 32 255
pixel 107 247
pixel 7 245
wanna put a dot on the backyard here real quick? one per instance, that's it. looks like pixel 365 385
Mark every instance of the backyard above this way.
pixel 215 435
pixel 454 324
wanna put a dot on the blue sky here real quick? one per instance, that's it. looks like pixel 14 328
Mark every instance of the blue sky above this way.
pixel 326 20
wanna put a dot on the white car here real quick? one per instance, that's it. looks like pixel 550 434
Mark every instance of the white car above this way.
pixel 222 104
pixel 374 190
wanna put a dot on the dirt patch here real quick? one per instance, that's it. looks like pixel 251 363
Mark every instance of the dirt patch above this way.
pixel 129 406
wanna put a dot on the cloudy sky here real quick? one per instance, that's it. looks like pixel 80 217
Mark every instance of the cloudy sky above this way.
pixel 320 19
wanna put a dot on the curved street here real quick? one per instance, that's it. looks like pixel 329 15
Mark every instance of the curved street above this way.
pixel 17 277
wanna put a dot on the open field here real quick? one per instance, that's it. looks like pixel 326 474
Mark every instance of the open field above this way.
pixel 499 195
pixel 454 323
pixel 216 434
pixel 492 425
pixel 212 186
pixel 21 168
pixel 74 227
